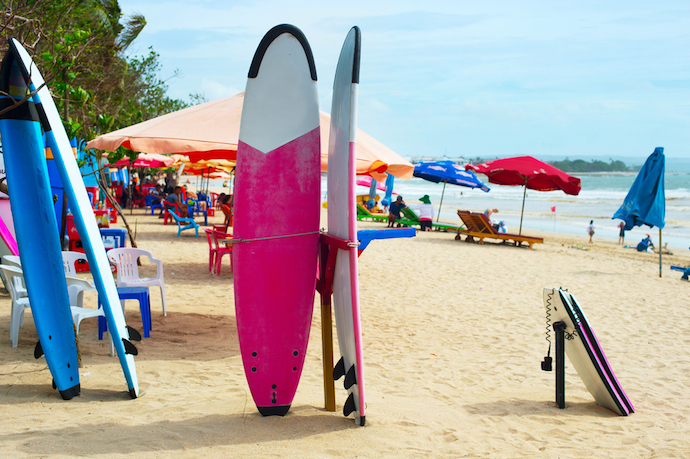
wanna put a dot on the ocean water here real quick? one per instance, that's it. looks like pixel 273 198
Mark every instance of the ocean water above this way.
pixel 600 198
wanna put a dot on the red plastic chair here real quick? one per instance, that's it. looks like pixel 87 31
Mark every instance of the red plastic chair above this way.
pixel 221 249
pixel 167 207
pixel 212 249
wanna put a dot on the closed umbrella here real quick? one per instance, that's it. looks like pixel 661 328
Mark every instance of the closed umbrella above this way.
pixel 645 203
pixel 528 172
pixel 447 172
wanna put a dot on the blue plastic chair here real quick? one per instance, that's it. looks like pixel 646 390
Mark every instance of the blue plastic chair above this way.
pixel 180 221
pixel 151 204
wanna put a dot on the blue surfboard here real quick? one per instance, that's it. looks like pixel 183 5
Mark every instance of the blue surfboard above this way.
pixel 84 218
pixel 36 228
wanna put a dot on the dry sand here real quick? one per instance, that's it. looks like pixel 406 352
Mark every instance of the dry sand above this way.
pixel 453 337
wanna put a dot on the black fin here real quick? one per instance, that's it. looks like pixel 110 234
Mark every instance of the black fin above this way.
pixel 339 370
pixel 54 385
pixel 362 421
pixel 350 377
pixel 38 351
pixel 349 405
pixel 70 393
pixel 134 335
pixel 274 410
pixel 129 347
pixel 132 393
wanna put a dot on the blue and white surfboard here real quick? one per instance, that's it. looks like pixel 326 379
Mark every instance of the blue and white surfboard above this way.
pixel 84 218
pixel 36 228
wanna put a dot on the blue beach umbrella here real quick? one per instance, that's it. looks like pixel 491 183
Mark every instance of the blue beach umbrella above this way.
pixel 645 203
pixel 447 172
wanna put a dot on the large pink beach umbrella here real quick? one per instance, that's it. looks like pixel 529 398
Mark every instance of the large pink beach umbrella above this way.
pixel 211 131
pixel 528 172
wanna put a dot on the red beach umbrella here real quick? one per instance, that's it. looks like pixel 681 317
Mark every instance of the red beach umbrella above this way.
pixel 528 172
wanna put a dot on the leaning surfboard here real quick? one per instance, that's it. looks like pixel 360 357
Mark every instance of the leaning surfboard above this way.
pixel 585 353
pixel 276 208
pixel 84 218
pixel 342 223
pixel 36 229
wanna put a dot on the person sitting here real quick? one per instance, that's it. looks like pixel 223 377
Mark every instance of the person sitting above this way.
pixel 646 244
pixel 195 197
pixel 394 211
pixel 488 213
pixel 176 198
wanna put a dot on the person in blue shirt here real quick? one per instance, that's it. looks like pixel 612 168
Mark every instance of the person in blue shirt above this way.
pixel 645 244
pixel 394 211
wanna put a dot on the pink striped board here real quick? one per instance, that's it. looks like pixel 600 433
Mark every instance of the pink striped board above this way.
pixel 585 353
pixel 277 211
pixel 342 223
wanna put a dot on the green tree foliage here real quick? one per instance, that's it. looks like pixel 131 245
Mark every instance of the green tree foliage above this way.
pixel 79 46
pixel 580 165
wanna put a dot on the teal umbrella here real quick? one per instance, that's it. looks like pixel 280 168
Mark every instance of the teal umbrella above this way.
pixel 645 203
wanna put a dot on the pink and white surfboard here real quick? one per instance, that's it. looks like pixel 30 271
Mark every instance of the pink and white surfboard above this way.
pixel 277 210
pixel 342 223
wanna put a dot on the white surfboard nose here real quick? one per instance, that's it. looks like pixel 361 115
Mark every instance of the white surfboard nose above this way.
pixel 277 112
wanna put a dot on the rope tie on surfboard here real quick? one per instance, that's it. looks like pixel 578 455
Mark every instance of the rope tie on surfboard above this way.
pixel 283 236
pixel 266 238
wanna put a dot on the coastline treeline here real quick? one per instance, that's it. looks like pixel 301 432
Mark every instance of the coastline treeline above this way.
pixel 579 165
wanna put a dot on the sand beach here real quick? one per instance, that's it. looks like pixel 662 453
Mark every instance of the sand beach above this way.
pixel 453 335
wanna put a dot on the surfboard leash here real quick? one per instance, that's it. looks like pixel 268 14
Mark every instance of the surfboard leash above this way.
pixel 547 363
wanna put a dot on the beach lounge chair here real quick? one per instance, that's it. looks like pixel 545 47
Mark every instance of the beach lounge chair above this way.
pixel 364 214
pixel 412 219
pixel 478 226
pixel 190 223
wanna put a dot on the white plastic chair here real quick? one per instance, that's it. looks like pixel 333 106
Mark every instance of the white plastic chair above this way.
pixel 13 260
pixel 79 312
pixel 76 289
pixel 128 273
pixel 20 300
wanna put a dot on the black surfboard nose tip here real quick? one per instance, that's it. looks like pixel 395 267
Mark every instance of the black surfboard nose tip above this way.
pixel 274 410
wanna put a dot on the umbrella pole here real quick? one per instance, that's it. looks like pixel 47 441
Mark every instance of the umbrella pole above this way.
pixel 524 193
pixel 660 252
pixel 441 203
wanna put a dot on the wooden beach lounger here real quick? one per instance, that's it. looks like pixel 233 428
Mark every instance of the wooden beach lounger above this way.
pixel 478 226
pixel 411 219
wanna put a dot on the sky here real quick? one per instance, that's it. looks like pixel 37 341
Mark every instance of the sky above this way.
pixel 577 79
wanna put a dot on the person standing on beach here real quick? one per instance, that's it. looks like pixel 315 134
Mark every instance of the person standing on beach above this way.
pixel 426 212
pixel 394 211
pixel 590 230
pixel 621 234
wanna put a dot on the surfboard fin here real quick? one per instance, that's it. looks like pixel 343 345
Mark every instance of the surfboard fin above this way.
pixel 134 334
pixel 38 350
pixel 350 377
pixel 129 347
pixel 349 404
pixel 339 370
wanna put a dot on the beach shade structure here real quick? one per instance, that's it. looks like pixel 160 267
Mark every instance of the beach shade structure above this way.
pixel 645 203
pixel 145 160
pixel 528 172
pixel 447 172
pixel 211 131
